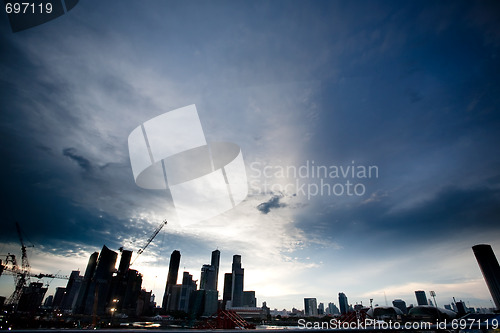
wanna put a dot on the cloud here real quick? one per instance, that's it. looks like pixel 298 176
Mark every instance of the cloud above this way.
pixel 274 202
pixel 84 163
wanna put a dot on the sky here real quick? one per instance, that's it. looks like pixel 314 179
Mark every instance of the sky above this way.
pixel 406 89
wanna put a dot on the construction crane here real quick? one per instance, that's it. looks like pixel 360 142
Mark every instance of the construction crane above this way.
pixel 21 274
pixel 24 256
pixel 150 239
pixel 15 270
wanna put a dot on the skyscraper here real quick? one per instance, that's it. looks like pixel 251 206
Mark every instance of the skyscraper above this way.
pixel 84 289
pixel 343 303
pixel 249 299
pixel 72 289
pixel 321 309
pixel 332 309
pixel 173 271
pixel 421 297
pixel 100 283
pixel 208 278
pixel 490 269
pixel 188 286
pixel 310 307
pixel 126 256
pixel 58 297
pixel 228 285
pixel 237 283
pixel 210 306
pixel 215 263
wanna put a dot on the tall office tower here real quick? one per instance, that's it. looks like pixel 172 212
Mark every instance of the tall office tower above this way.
pixel 84 289
pixel 490 269
pixel 126 256
pixel 120 283
pixel 127 299
pixel 58 297
pixel 188 286
pixel 421 297
pixel 72 290
pixel 173 271
pixel 31 297
pixel 226 293
pixel 197 303
pixel 210 273
pixel 174 297
pixel 47 303
pixel 332 309
pixel 211 302
pixel 400 304
pixel 249 299
pixel 215 263
pixel 310 307
pixel 208 278
pixel 343 303
pixel 99 286
pixel 237 285
pixel 321 309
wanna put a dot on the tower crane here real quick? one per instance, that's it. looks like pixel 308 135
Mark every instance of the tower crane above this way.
pixel 150 239
pixel 21 274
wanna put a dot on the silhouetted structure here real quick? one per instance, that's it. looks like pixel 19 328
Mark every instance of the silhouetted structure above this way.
pixel 87 278
pixel 173 271
pixel 72 290
pixel 237 283
pixel 58 298
pixel 343 303
pixel 249 299
pixel 490 269
pixel 48 301
pixel 321 309
pixel 208 284
pixel 461 308
pixel 188 286
pixel 208 278
pixel 215 263
pixel 310 307
pixel 126 256
pixel 145 303
pixel 332 309
pixel 211 302
pixel 125 291
pixel 401 305
pixel 228 284
pixel 421 297
pixel 100 284
pixel 31 297
pixel 174 297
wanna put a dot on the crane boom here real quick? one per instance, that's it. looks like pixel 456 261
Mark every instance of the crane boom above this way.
pixel 12 271
pixel 150 239
pixel 24 256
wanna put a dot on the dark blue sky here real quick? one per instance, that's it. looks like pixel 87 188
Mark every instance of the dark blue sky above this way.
pixel 410 87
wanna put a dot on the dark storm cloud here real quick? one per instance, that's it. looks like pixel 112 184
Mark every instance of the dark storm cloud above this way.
pixel 379 223
pixel 272 203
pixel 82 162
